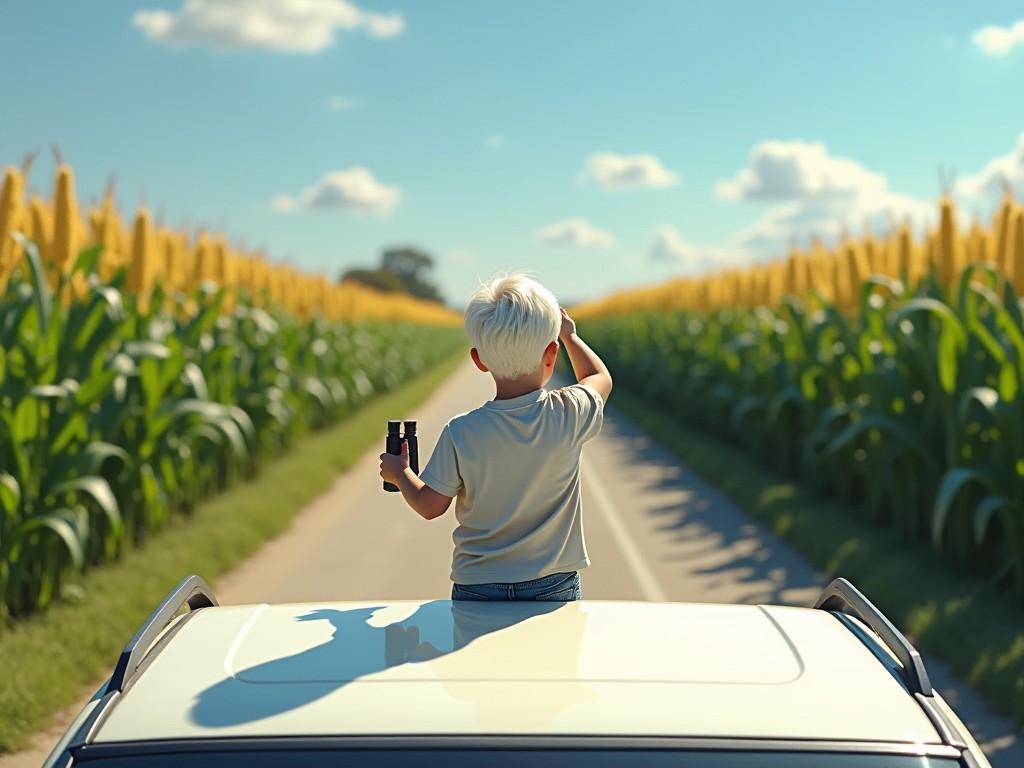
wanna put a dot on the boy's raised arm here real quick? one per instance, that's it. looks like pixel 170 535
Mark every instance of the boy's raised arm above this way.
pixel 588 368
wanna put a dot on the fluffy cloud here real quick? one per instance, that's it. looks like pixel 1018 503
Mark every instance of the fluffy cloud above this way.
pixel 294 26
pixel 989 181
pixel 615 172
pixel 578 233
pixel 810 192
pixel 814 193
pixel 790 170
pixel 999 41
pixel 353 189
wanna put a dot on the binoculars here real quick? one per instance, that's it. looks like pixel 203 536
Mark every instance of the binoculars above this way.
pixel 393 445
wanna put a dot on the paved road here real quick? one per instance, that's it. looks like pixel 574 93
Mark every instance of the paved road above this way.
pixel 654 532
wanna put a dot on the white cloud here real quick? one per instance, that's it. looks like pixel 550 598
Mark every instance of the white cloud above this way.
pixel 789 170
pixel 999 41
pixel 294 26
pixel 811 193
pixel 353 189
pixel 495 141
pixel 815 193
pixel 283 203
pixel 578 233
pixel 614 172
pixel 1005 169
pixel 340 103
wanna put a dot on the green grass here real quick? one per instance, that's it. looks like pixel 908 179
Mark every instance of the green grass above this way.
pixel 46 660
pixel 977 629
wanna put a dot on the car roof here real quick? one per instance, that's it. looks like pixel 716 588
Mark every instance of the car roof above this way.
pixel 582 668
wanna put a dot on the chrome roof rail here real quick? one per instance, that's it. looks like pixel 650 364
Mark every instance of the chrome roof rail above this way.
pixel 193 592
pixel 842 597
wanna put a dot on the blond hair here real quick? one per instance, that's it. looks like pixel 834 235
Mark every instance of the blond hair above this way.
pixel 511 320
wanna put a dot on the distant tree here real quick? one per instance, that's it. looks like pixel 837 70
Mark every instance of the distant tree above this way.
pixel 402 270
pixel 412 266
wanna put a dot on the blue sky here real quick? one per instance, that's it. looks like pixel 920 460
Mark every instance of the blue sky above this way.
pixel 596 144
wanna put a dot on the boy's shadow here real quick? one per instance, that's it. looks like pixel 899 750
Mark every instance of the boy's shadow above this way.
pixel 355 650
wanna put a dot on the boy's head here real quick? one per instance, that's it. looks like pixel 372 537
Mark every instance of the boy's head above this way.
pixel 511 322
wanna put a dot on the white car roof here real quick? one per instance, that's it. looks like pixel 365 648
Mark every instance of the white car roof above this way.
pixel 584 668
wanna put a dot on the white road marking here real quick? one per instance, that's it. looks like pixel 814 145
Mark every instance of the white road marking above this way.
pixel 649 585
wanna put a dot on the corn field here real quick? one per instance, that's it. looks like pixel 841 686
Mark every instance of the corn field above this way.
pixel 896 384
pixel 141 372
pixel 836 276
pixel 175 261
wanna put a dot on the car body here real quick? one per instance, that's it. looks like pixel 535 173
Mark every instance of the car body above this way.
pixel 518 683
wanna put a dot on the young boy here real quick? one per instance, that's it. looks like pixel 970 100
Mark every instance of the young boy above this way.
pixel 514 462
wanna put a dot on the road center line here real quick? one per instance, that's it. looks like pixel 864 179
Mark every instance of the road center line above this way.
pixel 649 585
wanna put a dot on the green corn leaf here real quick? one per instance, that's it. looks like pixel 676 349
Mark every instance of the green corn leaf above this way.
pixel 949 349
pixel 60 522
pixel 26 421
pixel 50 391
pixel 319 392
pixel 40 288
pixel 1009 383
pixel 234 438
pixel 10 495
pixel 954 481
pixel 984 512
pixel 193 376
pixel 140 350
pixel 889 427
pixel 789 397
pixel 94 388
pixel 74 428
pixel 935 308
pixel 98 491
pixel 87 260
pixel 90 460
pixel 244 422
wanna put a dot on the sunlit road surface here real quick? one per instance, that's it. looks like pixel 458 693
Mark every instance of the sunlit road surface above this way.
pixel 654 531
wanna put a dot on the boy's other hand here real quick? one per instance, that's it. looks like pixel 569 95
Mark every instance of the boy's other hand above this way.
pixel 392 466
pixel 568 325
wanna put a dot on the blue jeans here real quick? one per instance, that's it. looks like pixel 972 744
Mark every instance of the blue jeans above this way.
pixel 558 587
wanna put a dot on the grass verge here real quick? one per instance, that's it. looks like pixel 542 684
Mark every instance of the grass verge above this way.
pixel 976 629
pixel 47 659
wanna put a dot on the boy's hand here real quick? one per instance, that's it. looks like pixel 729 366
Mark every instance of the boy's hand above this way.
pixel 568 325
pixel 392 466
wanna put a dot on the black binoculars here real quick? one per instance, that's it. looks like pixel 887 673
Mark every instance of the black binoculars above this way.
pixel 393 445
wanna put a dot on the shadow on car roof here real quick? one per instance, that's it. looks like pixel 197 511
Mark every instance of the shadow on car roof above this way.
pixel 356 648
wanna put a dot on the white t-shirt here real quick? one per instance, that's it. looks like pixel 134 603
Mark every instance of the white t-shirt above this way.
pixel 514 466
